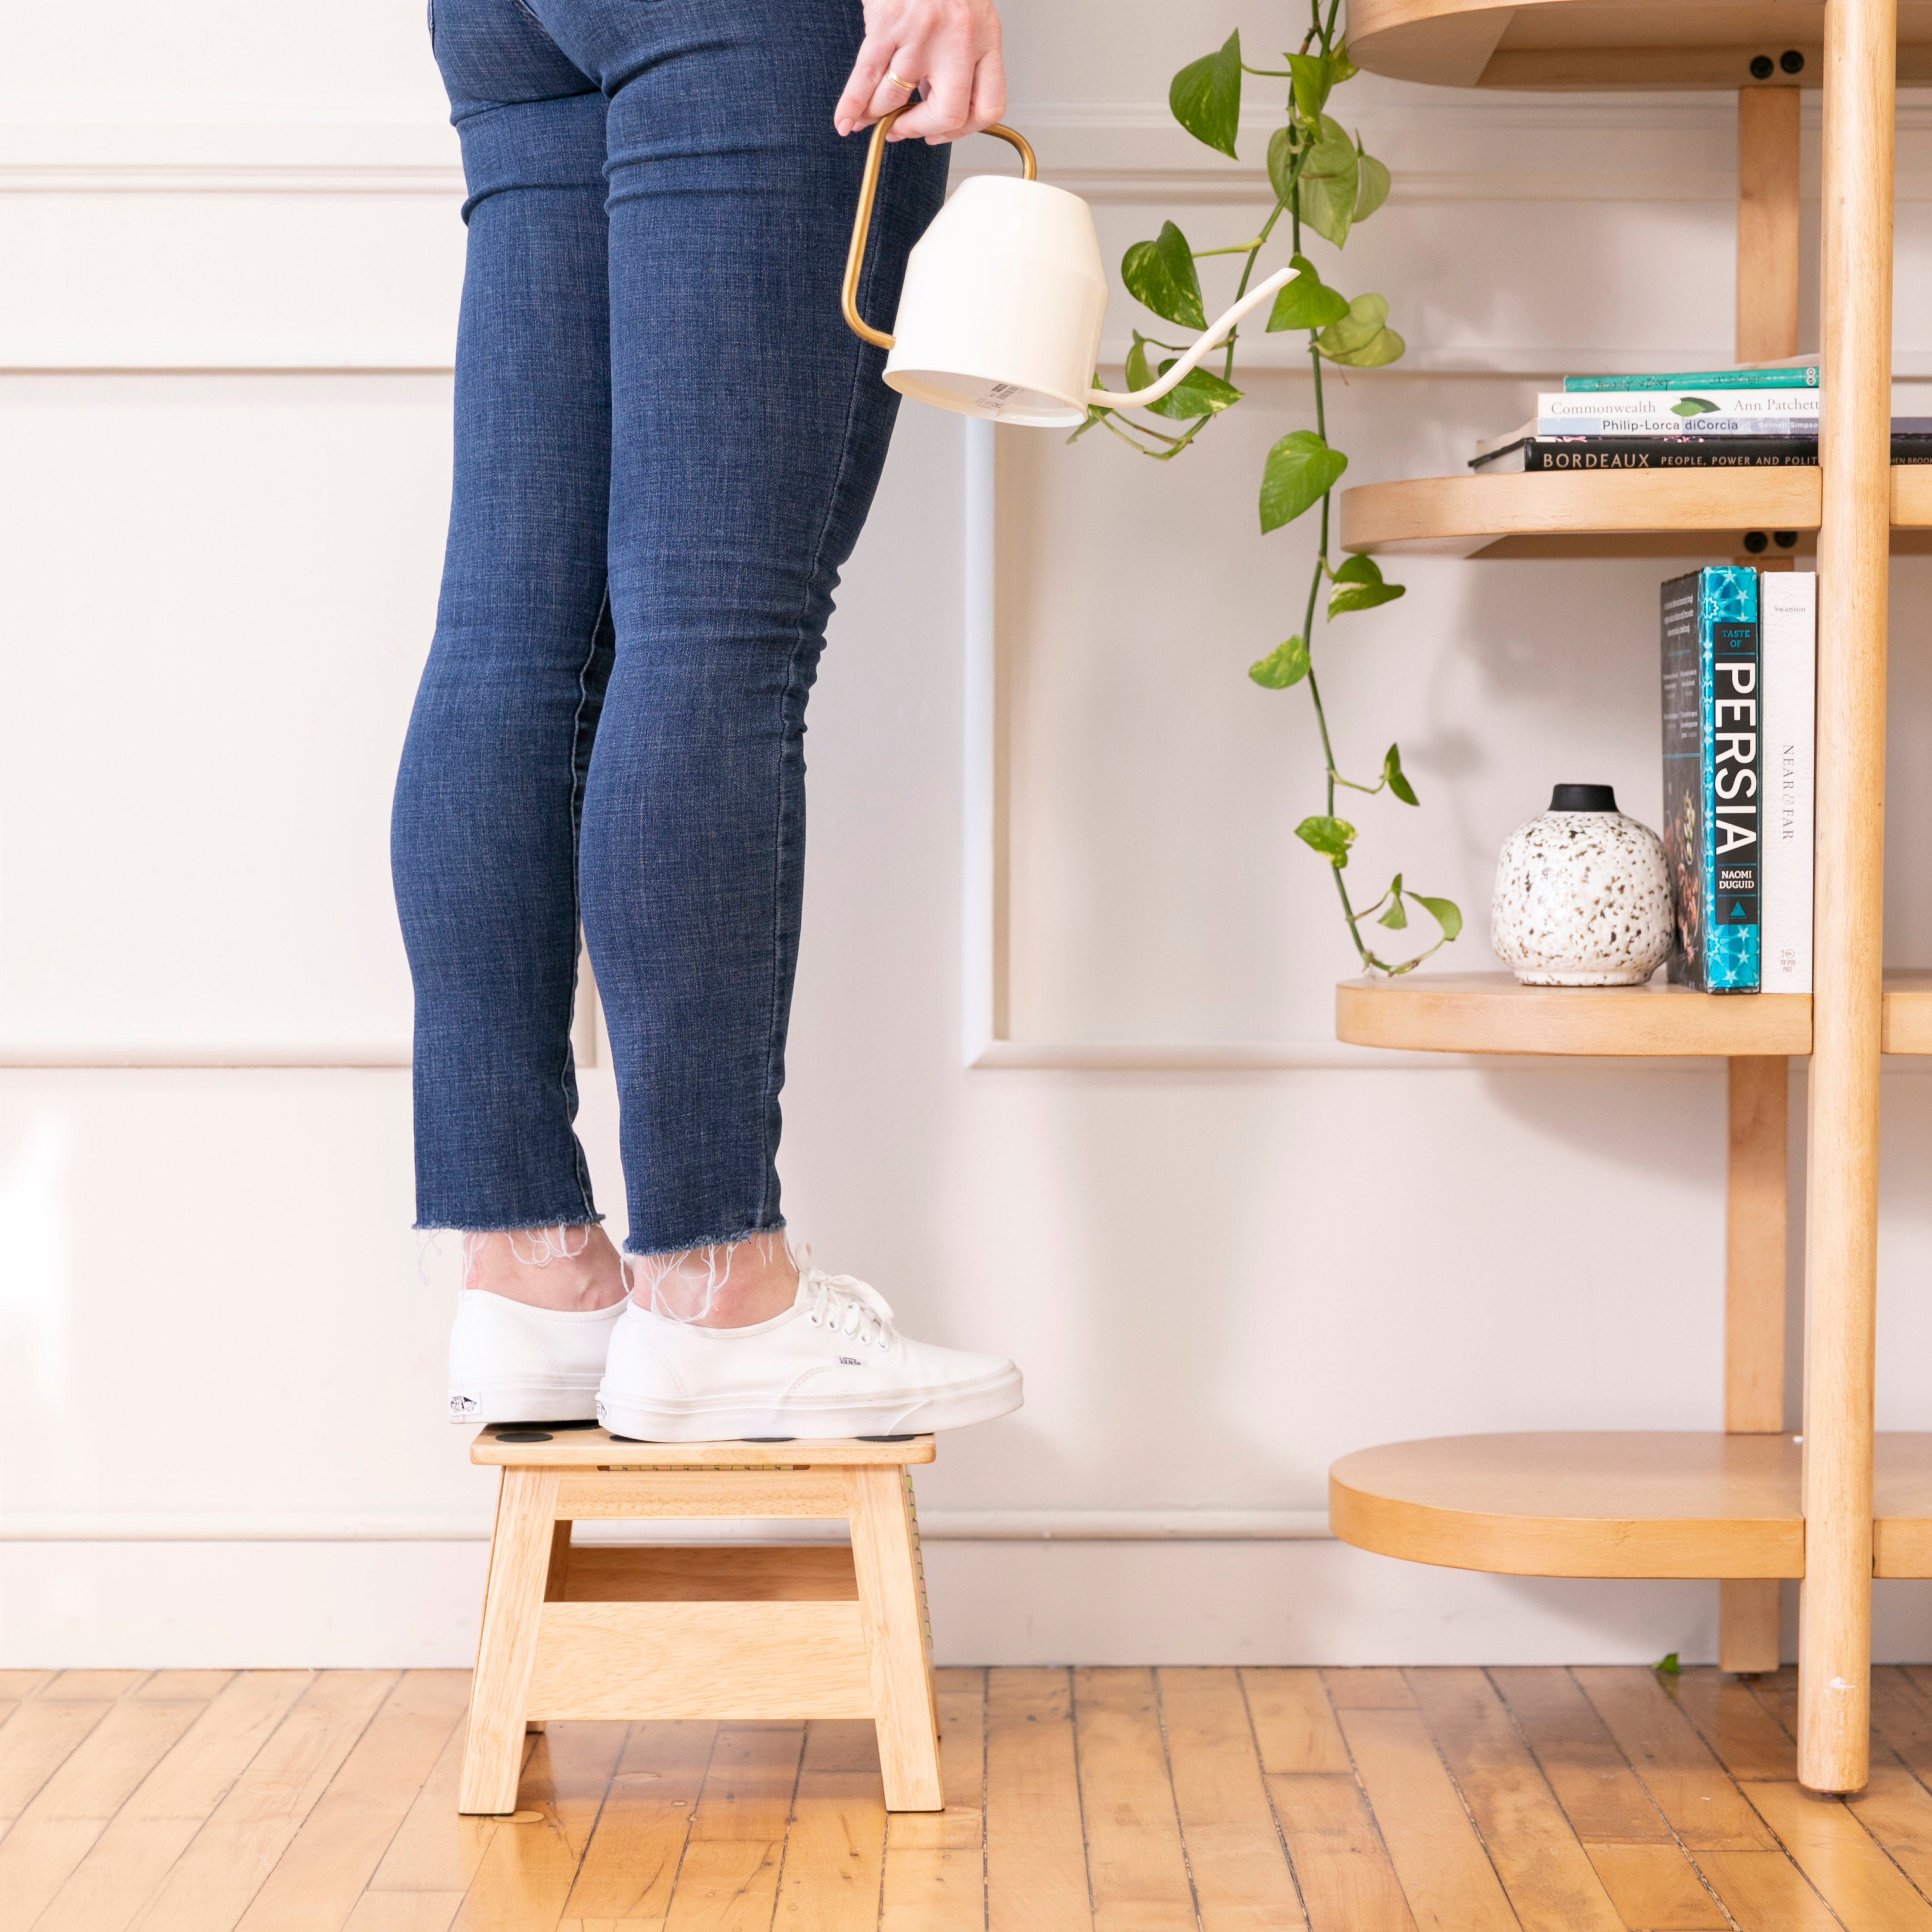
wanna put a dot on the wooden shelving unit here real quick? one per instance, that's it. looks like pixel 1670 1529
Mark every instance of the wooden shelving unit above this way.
pixel 1600 44
pixel 1646 1503
pixel 1837 1505
pixel 1684 513
pixel 1489 1012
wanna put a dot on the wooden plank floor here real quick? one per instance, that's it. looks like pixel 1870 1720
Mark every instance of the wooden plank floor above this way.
pixel 1114 1801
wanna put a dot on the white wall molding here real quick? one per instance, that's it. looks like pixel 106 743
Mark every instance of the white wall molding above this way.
pixel 1470 146
pixel 1448 148
pixel 370 1056
pixel 985 926
pixel 346 151
pixel 443 180
pixel 1454 146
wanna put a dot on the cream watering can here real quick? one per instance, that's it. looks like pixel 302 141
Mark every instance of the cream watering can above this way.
pixel 1004 300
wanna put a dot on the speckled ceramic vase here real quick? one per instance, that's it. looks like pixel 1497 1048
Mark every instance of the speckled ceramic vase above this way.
pixel 1583 896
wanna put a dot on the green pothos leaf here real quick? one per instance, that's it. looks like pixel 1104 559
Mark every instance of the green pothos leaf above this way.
pixel 1396 918
pixel 1362 339
pixel 1396 778
pixel 1198 393
pixel 1160 274
pixel 1205 96
pixel 1312 78
pixel 1308 301
pixel 1286 664
pixel 1331 837
pixel 1330 182
pixel 1359 586
pixel 1372 182
pixel 1301 470
pixel 1446 913
pixel 1283 148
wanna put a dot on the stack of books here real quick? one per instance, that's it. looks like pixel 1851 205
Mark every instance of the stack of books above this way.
pixel 1760 415
pixel 1740 680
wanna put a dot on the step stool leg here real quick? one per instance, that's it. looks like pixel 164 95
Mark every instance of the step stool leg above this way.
pixel 899 1644
pixel 556 1583
pixel 520 1561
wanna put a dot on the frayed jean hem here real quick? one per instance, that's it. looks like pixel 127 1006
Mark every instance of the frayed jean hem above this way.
pixel 727 1240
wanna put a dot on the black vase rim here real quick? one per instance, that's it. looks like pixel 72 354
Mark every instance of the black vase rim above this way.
pixel 1583 798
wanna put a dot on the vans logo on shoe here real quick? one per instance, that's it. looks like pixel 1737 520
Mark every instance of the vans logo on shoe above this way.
pixel 850 1362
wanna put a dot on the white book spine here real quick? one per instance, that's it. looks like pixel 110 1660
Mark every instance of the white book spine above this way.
pixel 1788 666
pixel 1664 405
pixel 1607 425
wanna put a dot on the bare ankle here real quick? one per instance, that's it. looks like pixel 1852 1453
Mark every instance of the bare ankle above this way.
pixel 729 1285
pixel 568 1269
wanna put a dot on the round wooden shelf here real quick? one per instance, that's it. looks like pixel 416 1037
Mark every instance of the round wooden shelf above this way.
pixel 1607 43
pixel 1686 513
pixel 1639 1504
pixel 1489 1012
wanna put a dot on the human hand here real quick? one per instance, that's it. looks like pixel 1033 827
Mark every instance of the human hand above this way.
pixel 948 49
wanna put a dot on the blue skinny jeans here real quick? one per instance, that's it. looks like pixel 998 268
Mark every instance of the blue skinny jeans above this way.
pixel 666 443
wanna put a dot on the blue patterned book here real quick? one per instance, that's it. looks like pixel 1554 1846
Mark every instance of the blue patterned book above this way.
pixel 1713 776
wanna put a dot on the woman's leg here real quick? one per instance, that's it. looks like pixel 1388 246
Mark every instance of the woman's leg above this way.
pixel 748 429
pixel 489 795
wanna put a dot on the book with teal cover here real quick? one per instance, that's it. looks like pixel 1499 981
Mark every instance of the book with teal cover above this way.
pixel 1804 376
pixel 1713 772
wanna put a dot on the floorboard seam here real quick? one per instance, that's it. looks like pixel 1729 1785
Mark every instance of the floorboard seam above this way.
pixel 1268 1796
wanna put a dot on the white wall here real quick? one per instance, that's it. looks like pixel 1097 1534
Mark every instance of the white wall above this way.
pixel 233 253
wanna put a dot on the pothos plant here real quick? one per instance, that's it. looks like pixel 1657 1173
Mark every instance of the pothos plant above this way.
pixel 1324 183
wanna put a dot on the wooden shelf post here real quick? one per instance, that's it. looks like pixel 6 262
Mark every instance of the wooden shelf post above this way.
pixel 1767 320
pixel 1834 1640
pixel 1754 1285
pixel 1749 1610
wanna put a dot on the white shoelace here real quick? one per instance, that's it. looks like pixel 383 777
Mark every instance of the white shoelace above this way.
pixel 848 1306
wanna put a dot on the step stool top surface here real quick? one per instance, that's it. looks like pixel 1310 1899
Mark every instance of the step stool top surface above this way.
pixel 565 1448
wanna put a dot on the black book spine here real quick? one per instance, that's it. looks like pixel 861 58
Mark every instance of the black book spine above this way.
pixel 1632 452
pixel 1683 779
pixel 1714 452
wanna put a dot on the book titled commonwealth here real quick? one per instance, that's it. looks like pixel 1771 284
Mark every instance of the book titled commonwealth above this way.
pixel 1674 411
pixel 1788 651
pixel 1713 777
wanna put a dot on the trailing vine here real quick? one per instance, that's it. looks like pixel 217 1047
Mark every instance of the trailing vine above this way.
pixel 1325 184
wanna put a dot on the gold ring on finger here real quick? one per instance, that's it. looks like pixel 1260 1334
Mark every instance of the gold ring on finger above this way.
pixel 910 86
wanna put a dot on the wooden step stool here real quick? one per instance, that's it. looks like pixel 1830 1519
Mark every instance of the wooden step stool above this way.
pixel 710 1630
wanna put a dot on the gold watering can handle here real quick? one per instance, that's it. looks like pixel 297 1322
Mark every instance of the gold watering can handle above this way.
pixel 855 258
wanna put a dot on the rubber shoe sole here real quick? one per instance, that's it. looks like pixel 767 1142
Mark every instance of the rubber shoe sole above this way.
pixel 739 1417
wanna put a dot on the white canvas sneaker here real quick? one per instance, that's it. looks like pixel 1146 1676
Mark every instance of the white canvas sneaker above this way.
pixel 510 1362
pixel 832 1365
